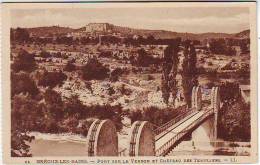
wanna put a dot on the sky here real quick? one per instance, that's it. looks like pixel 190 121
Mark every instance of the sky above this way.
pixel 178 19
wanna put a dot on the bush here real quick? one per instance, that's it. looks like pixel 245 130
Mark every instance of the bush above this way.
pixel 234 122
pixel 106 54
pixel 69 67
pixel 155 115
pixel 124 91
pixel 88 86
pixel 45 54
pixel 114 113
pixel 94 70
pixel 74 107
pixel 22 83
pixel 149 77
pixel 24 62
pixel 114 76
pixel 111 91
pixel 85 125
pixel 51 79
pixel 54 104
pixel 57 55
pixel 24 108
pixel 229 91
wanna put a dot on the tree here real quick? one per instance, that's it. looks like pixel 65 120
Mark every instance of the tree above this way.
pixel 222 46
pixel 229 92
pixel 155 115
pixel 114 113
pixel 114 75
pixel 26 115
pixel 51 79
pixel 24 62
pixel 142 58
pixel 189 70
pixel 74 107
pixel 150 39
pixel 69 67
pixel 169 67
pixel 22 83
pixel 45 54
pixel 94 70
pixel 54 104
pixel 234 121
pixel 217 46
pixel 21 35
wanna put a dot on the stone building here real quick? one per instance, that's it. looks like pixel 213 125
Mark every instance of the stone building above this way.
pixel 99 27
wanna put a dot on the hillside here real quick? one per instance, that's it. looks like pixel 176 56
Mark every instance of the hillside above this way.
pixel 243 34
pixel 55 30
pixel 49 30
pixel 169 34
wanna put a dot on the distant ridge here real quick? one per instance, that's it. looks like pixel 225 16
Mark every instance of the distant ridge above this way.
pixel 243 34
pixel 50 30
pixel 54 30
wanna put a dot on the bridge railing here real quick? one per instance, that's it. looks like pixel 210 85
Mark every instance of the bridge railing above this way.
pixel 170 123
pixel 164 149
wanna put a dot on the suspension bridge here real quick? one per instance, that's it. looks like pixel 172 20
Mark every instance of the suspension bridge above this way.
pixel 147 140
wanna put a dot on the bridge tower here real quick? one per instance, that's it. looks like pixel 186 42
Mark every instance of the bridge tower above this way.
pixel 196 98
pixel 102 139
pixel 215 105
pixel 142 139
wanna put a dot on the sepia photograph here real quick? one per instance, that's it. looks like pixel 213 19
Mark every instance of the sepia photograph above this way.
pixel 113 80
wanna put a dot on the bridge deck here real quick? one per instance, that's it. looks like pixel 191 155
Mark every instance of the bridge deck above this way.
pixel 173 133
pixel 159 136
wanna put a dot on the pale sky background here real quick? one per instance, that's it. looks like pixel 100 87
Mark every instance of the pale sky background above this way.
pixel 182 19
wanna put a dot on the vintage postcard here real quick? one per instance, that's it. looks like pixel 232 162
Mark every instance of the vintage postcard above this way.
pixel 129 83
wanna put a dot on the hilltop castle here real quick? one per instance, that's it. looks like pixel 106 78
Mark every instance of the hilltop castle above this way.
pixel 99 27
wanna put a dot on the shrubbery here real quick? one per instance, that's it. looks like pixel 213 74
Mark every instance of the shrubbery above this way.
pixel 45 54
pixel 94 70
pixel 155 115
pixel 114 75
pixel 22 83
pixel 234 116
pixel 221 46
pixel 69 67
pixel 144 60
pixel 51 79
pixel 234 123
pixel 229 92
pixel 55 115
pixel 24 62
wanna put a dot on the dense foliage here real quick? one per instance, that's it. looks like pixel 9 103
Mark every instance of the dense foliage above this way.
pixel 20 35
pixel 24 61
pixel 170 69
pixel 220 46
pixel 70 66
pixel 51 79
pixel 22 83
pixel 234 116
pixel 94 70
pixel 155 115
pixel 189 70
pixel 234 122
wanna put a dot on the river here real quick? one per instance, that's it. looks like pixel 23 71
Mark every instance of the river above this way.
pixel 200 143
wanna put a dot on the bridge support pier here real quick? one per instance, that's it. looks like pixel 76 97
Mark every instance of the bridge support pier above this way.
pixel 102 139
pixel 215 104
pixel 142 139
pixel 196 100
